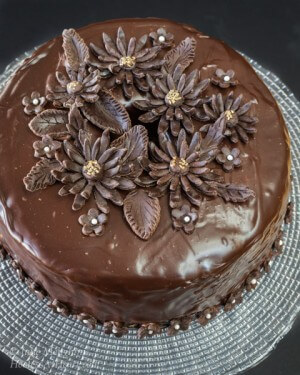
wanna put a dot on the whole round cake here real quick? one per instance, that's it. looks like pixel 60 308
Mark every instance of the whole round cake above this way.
pixel 144 177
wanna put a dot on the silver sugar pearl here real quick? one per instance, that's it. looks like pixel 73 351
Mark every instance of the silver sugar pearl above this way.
pixel 114 330
pixel 253 281
pixel 161 39
pixel 229 157
pixel 94 221
pixel 177 326
pixel 280 243
pixel 186 219
pixel 233 301
pixel 46 148
pixel 35 101
pixel 226 78
pixel 150 332
pixel 208 316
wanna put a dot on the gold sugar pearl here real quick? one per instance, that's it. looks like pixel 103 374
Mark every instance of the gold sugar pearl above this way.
pixel 92 168
pixel 173 96
pixel 229 114
pixel 127 61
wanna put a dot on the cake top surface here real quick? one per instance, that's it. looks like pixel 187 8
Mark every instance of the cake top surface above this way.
pixel 150 115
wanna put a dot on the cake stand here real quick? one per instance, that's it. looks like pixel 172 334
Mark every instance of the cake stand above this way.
pixel 46 343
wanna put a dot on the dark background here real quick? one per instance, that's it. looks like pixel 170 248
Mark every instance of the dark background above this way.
pixel 268 31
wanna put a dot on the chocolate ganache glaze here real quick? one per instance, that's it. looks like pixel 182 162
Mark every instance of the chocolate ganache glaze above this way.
pixel 170 273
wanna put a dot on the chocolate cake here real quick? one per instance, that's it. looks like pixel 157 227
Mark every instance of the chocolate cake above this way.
pixel 144 177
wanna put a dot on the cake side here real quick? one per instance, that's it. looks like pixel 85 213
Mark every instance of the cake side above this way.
pixel 122 277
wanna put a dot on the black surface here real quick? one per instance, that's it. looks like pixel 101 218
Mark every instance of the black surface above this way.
pixel 268 31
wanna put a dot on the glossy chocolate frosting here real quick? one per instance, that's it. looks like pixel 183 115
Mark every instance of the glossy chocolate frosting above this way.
pixel 119 276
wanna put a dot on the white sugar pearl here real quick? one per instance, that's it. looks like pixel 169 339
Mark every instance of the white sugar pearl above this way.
pixel 161 39
pixel 46 148
pixel 186 219
pixel 114 330
pixel 253 281
pixel 35 101
pixel 150 332
pixel 229 157
pixel 208 316
pixel 280 243
pixel 233 301
pixel 94 221
pixel 177 326
pixel 226 78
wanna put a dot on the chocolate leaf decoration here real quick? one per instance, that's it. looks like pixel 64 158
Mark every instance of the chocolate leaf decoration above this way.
pixel 142 213
pixel 136 143
pixel 50 122
pixel 234 193
pixel 107 112
pixel 40 175
pixel 76 51
pixel 214 135
pixel 183 55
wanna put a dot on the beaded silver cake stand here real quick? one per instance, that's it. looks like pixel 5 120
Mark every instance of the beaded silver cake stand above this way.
pixel 45 343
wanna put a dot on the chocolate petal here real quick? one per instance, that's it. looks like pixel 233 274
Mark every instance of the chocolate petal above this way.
pixel 175 127
pixel 109 183
pixel 87 191
pixel 78 186
pixel 110 46
pixel 78 202
pixel 126 184
pixel 148 117
pixel 101 202
pixel 237 102
pixel 188 125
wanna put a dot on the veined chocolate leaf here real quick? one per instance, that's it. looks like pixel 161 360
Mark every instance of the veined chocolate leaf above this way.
pixel 234 193
pixel 107 112
pixel 76 51
pixel 142 213
pixel 182 55
pixel 40 175
pixel 50 122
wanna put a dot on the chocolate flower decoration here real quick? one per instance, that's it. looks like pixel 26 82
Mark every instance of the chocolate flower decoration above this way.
pixel 229 159
pixel 233 300
pixel 74 88
pixel 126 64
pixel 238 123
pixel 176 325
pixel 252 280
pixel 46 147
pixel 87 320
pixel 91 168
pixel 206 315
pixel 162 38
pixel 3 253
pixel 184 168
pixel 93 222
pixel 115 328
pixel 34 104
pixel 172 100
pixel 58 308
pixel 185 218
pixel 224 79
pixel 148 330
pixel 35 288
